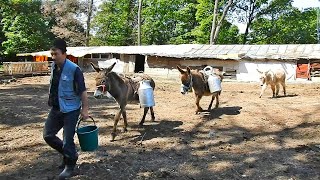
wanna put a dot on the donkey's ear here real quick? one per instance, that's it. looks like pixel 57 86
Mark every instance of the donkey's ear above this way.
pixel 259 71
pixel 181 70
pixel 95 67
pixel 109 69
pixel 188 70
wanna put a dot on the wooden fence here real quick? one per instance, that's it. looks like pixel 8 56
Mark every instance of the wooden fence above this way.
pixel 23 68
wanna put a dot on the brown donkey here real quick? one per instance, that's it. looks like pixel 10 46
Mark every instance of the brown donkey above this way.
pixel 196 80
pixel 123 90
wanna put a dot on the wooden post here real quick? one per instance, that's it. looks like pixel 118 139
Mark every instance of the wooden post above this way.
pixel 308 72
pixel 89 23
pixel 139 22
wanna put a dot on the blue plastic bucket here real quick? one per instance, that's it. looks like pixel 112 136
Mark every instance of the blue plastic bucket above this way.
pixel 88 136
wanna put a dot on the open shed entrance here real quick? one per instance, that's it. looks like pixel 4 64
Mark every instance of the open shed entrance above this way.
pixel 139 64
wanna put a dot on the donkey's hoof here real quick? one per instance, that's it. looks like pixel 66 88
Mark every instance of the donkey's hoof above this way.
pixel 153 119
pixel 199 110
pixel 113 136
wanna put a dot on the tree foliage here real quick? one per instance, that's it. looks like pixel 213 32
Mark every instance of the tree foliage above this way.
pixel 114 24
pixel 64 16
pixel 247 11
pixel 295 27
pixel 204 15
pixel 24 27
pixel 186 22
pixel 31 25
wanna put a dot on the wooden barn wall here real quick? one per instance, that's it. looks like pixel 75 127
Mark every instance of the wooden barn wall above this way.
pixel 166 67
pixel 23 68
pixel 239 70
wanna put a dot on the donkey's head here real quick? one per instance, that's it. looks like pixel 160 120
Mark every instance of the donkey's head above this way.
pixel 186 79
pixel 263 76
pixel 103 84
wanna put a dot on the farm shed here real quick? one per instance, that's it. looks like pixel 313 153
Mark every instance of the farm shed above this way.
pixel 238 61
pixel 24 68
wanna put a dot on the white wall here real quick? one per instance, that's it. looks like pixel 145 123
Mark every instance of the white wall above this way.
pixel 247 70
pixel 159 66
pixel 119 67
pixel 161 72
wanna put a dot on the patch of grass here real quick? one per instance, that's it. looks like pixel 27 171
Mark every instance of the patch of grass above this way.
pixel 1 67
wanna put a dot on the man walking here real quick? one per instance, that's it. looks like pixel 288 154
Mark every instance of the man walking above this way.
pixel 67 99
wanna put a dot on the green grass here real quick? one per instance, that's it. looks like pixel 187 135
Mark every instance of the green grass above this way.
pixel 1 67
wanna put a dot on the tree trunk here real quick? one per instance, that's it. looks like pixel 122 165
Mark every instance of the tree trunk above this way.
pixel 224 14
pixel 139 22
pixel 245 36
pixel 89 22
pixel 250 19
pixel 214 21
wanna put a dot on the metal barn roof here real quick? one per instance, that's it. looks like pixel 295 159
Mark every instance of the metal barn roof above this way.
pixel 195 51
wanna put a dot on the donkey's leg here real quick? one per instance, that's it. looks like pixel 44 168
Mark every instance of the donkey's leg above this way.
pixel 116 120
pixel 217 100
pixel 125 122
pixel 277 89
pixel 264 87
pixel 199 109
pixel 284 88
pixel 152 114
pixel 273 91
pixel 145 111
pixel 210 105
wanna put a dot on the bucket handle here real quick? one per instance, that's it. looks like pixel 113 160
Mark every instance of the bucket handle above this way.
pixel 81 118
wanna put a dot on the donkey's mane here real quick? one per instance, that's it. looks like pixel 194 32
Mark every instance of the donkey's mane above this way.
pixel 115 76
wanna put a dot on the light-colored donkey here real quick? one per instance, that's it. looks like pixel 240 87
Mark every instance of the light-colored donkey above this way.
pixel 273 78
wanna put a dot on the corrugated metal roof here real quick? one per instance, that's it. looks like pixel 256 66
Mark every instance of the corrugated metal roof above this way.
pixel 192 51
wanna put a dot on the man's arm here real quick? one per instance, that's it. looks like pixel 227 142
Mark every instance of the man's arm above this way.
pixel 85 105
pixel 81 91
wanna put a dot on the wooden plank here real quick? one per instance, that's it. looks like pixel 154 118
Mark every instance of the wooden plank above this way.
pixel 302 71
pixel 17 68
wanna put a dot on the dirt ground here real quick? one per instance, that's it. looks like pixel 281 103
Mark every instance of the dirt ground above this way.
pixel 245 138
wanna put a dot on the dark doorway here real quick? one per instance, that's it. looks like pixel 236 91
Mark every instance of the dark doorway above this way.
pixel 139 64
pixel 117 56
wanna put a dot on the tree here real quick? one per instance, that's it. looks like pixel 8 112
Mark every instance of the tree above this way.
pixel 249 10
pixel 2 36
pixel 115 23
pixel 295 27
pixel 159 21
pixel 65 24
pixel 139 22
pixel 217 23
pixel 202 32
pixel 89 16
pixel 185 23
pixel 24 27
